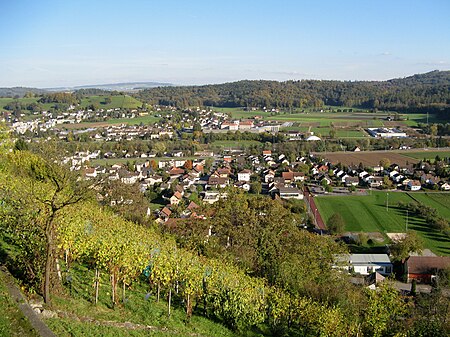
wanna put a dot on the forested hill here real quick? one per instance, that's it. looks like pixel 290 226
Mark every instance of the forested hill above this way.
pixel 430 91
pixel 20 91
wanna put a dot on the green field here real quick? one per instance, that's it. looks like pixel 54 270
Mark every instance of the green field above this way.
pixel 370 214
pixel 117 101
pixel 429 155
pixel 342 133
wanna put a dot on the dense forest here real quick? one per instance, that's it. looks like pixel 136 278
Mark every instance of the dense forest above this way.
pixel 423 92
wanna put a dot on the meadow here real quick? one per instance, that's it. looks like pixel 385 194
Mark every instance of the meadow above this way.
pixel 378 212
pixel 117 101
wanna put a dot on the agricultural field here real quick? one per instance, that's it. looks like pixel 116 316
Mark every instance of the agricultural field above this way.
pixel 368 158
pixel 428 155
pixel 378 212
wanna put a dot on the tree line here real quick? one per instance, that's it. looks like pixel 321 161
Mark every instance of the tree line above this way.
pixel 424 92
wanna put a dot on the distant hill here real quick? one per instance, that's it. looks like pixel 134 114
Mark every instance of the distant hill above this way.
pixel 125 87
pixel 429 91
pixel 20 91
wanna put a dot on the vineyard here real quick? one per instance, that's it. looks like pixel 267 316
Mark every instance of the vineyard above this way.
pixel 53 227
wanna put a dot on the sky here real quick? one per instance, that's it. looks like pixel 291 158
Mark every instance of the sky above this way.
pixel 53 43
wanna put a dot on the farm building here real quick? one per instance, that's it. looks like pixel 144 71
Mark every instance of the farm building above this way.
pixel 425 268
pixel 366 264
pixel 386 133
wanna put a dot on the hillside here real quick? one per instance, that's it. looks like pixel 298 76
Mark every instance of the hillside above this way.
pixel 421 92
pixel 20 91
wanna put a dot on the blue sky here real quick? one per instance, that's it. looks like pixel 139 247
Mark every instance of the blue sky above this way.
pixel 73 42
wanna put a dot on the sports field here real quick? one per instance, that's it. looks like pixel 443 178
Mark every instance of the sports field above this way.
pixel 378 212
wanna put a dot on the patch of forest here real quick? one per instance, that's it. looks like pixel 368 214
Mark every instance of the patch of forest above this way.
pixel 424 92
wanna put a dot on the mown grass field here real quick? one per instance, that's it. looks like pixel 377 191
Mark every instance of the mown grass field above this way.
pixel 370 214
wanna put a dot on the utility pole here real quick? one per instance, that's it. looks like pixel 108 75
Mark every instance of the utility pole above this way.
pixel 387 202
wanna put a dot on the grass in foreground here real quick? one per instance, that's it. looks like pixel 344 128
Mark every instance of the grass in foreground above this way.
pixel 370 214
pixel 12 321
pixel 140 308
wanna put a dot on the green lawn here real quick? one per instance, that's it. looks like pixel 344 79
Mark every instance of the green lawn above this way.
pixel 370 214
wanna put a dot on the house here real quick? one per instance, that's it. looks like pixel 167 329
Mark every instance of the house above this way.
pixel 229 126
pixel 290 193
pixel 165 213
pixel 211 197
pixel 444 186
pixel 325 180
pixel 242 184
pixel 414 185
pixel 269 176
pixel 222 172
pixel 375 182
pixel 245 125
pixel 152 180
pixel 215 181
pixel 351 181
pixel 90 173
pixel 425 268
pixel 244 175
pixel 176 171
pixel 266 153
pixel 290 176
pixel 128 178
pixel 366 264
pixel 175 198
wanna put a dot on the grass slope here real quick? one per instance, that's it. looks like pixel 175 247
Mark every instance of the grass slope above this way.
pixel 12 321
pixel 140 308
pixel 370 214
